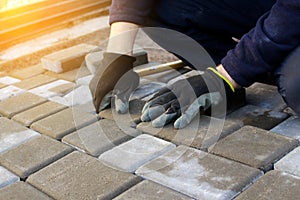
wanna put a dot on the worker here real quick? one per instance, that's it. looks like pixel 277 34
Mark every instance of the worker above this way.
pixel 268 33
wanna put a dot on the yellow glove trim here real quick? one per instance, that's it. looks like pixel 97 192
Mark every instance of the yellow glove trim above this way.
pixel 223 77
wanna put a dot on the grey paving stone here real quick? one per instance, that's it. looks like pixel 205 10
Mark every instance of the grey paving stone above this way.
pixel 198 174
pixel 289 127
pixel 256 116
pixel 255 147
pixel 290 163
pixel 265 96
pixel 34 82
pixel 20 103
pixel 147 190
pixel 28 72
pixel 21 190
pixel 274 185
pixel 79 176
pixel 10 91
pixel 200 133
pixel 132 154
pixel 100 136
pixel 64 122
pixel 33 155
pixel 13 134
pixel 132 118
pixel 37 113
pixel 6 177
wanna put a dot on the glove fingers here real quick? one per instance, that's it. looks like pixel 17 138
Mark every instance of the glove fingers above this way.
pixel 154 111
pixel 160 100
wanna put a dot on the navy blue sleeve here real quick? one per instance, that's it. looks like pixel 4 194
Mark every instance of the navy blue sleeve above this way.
pixel 266 46
pixel 134 11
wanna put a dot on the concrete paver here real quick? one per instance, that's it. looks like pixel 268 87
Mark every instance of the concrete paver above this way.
pixel 100 136
pixel 21 190
pixel 265 96
pixel 8 80
pixel 258 117
pixel 255 147
pixel 64 122
pixel 274 185
pixel 289 127
pixel 198 174
pixel 37 113
pixel 13 134
pixel 72 75
pixel 149 190
pixel 290 163
pixel 55 88
pixel 33 155
pixel 132 154
pixel 6 177
pixel 2 85
pixel 34 82
pixel 10 91
pixel 200 133
pixel 79 176
pixel 20 103
pixel 28 72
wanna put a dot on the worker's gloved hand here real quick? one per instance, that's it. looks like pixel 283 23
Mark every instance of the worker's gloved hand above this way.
pixel 185 98
pixel 114 77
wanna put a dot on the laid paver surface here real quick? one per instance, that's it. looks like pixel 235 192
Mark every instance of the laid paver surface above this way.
pixel 79 176
pixel 63 123
pixel 7 177
pixel 255 147
pixel 289 127
pixel 13 134
pixel 21 190
pixel 274 185
pixel 290 163
pixel 35 81
pixel 132 154
pixel 10 91
pixel 100 136
pixel 198 174
pixel 20 103
pixel 28 72
pixel 149 190
pixel 33 155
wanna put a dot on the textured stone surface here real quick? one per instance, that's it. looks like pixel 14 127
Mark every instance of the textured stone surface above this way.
pixel 255 147
pixel 256 116
pixel 21 190
pixel 20 103
pixel 289 127
pixel 55 88
pixel 198 174
pixel 33 155
pixel 28 72
pixel 274 185
pixel 79 176
pixel 100 136
pixel 265 96
pixel 10 91
pixel 63 123
pixel 71 75
pixel 8 80
pixel 290 163
pixel 37 113
pixel 132 154
pixel 6 177
pixel 13 134
pixel 149 190
pixel 198 134
pixel 34 82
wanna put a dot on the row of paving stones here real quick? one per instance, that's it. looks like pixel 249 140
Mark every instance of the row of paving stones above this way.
pixel 227 169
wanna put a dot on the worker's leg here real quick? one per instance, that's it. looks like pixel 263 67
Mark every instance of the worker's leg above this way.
pixel 212 23
pixel 288 80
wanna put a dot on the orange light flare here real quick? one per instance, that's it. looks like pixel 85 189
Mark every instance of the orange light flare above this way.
pixel 11 4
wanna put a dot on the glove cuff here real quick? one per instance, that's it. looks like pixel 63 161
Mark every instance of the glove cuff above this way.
pixel 222 77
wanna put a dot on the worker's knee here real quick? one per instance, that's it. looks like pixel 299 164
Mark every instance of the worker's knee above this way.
pixel 289 80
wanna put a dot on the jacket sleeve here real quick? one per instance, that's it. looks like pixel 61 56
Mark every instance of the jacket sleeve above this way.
pixel 134 11
pixel 265 47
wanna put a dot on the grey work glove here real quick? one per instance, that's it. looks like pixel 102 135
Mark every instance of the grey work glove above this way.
pixel 114 77
pixel 183 100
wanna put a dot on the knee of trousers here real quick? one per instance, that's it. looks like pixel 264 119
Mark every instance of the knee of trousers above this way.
pixel 289 80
